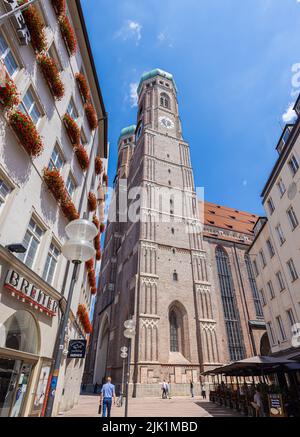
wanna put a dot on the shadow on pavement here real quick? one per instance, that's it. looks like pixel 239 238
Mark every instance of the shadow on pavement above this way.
pixel 217 411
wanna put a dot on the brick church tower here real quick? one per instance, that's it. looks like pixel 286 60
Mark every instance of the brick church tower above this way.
pixel 154 270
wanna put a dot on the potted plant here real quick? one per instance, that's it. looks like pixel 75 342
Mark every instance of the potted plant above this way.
pixel 82 157
pixel 26 132
pixel 91 116
pixel 52 75
pixel 35 25
pixel 83 87
pixel 9 96
pixel 73 129
pixel 98 165
pixel 92 201
pixel 96 222
pixel 90 265
pixel 60 7
pixel 97 242
pixel 68 33
pixel 68 208
pixel 55 183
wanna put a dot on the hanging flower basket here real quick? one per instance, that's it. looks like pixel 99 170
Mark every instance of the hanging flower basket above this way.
pixel 84 319
pixel 92 201
pixel 92 278
pixel 83 87
pixel 97 242
pixel 82 157
pixel 68 208
pixel 91 116
pixel 52 75
pixel 60 7
pixel 73 129
pixel 98 165
pixel 98 255
pixel 105 179
pixel 9 96
pixel 36 27
pixel 27 133
pixel 94 290
pixel 68 33
pixel 90 265
pixel 102 228
pixel 96 222
pixel 55 183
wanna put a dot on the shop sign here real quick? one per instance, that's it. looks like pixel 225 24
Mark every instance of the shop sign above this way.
pixel 276 405
pixel 77 349
pixel 23 289
pixel 19 22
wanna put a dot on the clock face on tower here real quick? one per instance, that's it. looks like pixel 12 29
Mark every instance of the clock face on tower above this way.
pixel 166 122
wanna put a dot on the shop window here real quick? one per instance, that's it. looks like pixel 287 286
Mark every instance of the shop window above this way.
pixel 20 333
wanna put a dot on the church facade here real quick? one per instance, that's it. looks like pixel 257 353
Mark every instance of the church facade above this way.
pixel 155 269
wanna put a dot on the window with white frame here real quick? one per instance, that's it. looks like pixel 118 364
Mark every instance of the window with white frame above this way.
pixel 56 160
pixel 281 328
pixel 281 187
pixel 280 234
pixel 270 248
pixel 271 333
pixel 7 56
pixel 51 264
pixel 262 259
pixel 293 165
pixel 280 281
pixel 31 241
pixel 292 218
pixel 271 290
pixel 29 106
pixel 271 205
pixel 292 270
pixel 291 317
pixel 71 110
pixel 4 192
pixel 70 185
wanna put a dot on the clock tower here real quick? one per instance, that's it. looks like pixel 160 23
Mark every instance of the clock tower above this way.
pixel 160 269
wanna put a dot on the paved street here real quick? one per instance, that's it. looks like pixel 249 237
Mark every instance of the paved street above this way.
pixel 153 407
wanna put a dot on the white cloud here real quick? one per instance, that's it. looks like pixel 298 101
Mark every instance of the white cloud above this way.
pixel 133 86
pixel 130 29
pixel 289 114
pixel 161 36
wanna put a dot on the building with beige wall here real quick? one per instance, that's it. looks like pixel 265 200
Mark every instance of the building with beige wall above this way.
pixel 34 285
pixel 275 250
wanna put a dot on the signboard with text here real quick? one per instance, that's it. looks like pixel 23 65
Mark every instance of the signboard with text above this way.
pixel 77 349
pixel 276 405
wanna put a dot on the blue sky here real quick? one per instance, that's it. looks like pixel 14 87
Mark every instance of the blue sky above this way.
pixel 235 64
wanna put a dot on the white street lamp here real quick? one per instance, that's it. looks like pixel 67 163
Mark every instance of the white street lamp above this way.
pixel 78 249
pixel 130 334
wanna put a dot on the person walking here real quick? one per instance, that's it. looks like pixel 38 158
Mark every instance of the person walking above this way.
pixel 108 394
pixel 203 391
pixel 164 388
pixel 192 388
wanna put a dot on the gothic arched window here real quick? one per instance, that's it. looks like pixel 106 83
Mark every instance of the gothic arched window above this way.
pixel 231 315
pixel 165 101
pixel 174 338
pixel 255 294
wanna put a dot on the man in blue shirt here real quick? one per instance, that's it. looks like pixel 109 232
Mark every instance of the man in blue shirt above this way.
pixel 107 395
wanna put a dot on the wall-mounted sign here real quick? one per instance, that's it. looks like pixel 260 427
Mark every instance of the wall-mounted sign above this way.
pixel 23 289
pixel 77 349
pixel 276 405
pixel 19 22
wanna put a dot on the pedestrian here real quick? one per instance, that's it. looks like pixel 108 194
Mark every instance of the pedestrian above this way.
pixel 203 391
pixel 257 403
pixel 108 394
pixel 164 388
pixel 95 387
pixel 192 388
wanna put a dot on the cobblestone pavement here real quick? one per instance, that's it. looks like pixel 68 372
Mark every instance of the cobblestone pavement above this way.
pixel 153 407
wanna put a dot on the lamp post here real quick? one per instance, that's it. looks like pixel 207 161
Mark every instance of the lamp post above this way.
pixel 130 334
pixel 124 355
pixel 77 249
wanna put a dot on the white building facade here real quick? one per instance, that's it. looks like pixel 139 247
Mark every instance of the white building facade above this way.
pixel 34 210
pixel 275 251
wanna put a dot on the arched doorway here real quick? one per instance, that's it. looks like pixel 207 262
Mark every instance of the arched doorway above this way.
pixel 101 359
pixel 178 330
pixel 265 348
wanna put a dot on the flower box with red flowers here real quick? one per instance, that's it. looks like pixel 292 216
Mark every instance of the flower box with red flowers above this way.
pixel 91 116
pixel 94 290
pixel 92 278
pixel 73 129
pixel 84 319
pixel 68 208
pixel 36 26
pixel 98 165
pixel 90 265
pixel 92 201
pixel 82 157
pixel 97 242
pixel 98 255
pixel 52 75
pixel 102 228
pixel 55 183
pixel 68 33
pixel 27 133
pixel 83 87
pixel 9 96
pixel 60 6
pixel 105 179
pixel 96 222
